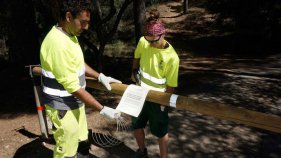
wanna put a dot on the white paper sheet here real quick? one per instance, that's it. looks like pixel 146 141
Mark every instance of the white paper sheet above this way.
pixel 132 100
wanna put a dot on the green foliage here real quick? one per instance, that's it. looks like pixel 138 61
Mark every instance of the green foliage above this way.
pixel 257 20
pixel 247 14
pixel 3 18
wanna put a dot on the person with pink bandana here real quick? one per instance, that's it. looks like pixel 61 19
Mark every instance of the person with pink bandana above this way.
pixel 155 66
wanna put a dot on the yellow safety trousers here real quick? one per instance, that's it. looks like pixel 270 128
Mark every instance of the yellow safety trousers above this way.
pixel 68 131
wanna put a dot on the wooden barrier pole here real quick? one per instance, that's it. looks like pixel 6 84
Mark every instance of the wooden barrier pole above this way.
pixel 215 109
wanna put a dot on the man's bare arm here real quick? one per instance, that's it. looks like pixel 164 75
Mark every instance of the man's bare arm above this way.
pixel 91 72
pixel 170 89
pixel 135 67
pixel 87 98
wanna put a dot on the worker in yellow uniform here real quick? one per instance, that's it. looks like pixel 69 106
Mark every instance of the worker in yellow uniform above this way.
pixel 155 66
pixel 64 83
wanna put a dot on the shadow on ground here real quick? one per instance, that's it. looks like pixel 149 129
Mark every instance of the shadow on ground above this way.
pixel 195 135
pixel 192 135
pixel 36 148
pixel 33 149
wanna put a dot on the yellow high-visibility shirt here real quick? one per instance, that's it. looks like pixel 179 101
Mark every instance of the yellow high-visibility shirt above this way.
pixel 61 55
pixel 157 65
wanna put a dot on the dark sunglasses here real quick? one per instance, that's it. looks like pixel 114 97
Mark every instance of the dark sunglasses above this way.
pixel 153 41
pixel 84 22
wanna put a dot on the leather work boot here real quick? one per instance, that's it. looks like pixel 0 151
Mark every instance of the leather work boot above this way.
pixel 141 154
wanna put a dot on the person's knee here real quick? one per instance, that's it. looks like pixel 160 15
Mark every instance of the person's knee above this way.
pixel 164 138
pixel 159 129
pixel 159 134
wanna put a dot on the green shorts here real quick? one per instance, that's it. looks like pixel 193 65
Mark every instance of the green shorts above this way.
pixel 158 120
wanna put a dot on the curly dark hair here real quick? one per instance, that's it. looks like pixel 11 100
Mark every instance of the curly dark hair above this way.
pixel 60 7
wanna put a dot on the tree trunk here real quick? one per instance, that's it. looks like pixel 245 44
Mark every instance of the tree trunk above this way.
pixel 139 18
pixel 185 6
pixel 99 26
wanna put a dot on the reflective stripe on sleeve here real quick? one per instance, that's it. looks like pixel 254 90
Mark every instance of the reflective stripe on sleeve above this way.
pixel 82 71
pixel 84 86
pixel 152 88
pixel 151 78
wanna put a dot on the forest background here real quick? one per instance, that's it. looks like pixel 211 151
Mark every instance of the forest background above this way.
pixel 230 51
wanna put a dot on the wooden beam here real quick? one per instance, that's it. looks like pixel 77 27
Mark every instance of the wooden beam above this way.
pixel 215 109
pixel 240 115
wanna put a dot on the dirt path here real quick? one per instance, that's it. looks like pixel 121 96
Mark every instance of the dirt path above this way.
pixel 243 82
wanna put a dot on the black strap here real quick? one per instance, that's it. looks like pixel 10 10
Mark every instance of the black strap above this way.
pixel 61 113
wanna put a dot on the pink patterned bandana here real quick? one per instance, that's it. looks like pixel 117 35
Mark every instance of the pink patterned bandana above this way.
pixel 154 28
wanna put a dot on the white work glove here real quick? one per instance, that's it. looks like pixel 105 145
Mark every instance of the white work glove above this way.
pixel 107 80
pixel 110 113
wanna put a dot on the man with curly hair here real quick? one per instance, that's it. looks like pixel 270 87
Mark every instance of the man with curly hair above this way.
pixel 64 71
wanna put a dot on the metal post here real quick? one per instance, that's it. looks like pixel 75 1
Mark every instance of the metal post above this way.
pixel 40 108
